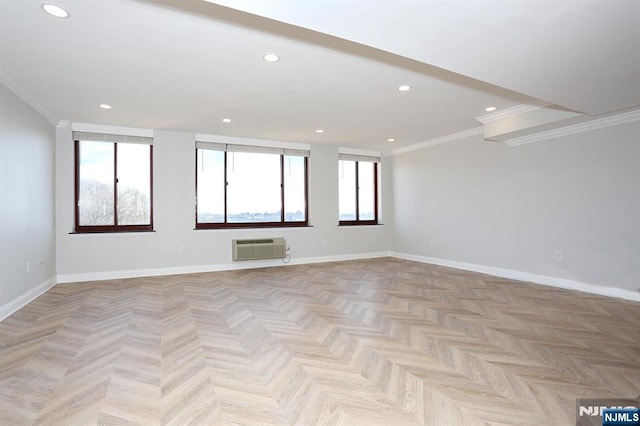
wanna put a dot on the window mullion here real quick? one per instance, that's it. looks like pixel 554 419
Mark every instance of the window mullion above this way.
pixel 226 184
pixel 115 185
pixel 151 186
pixel 375 192
pixel 282 188
pixel 306 190
pixel 357 194
pixel 77 183
pixel 197 177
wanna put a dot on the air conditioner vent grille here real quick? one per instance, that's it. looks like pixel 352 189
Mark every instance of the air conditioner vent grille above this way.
pixel 264 241
pixel 255 249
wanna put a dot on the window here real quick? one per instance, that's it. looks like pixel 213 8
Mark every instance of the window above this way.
pixel 113 189
pixel 358 189
pixel 240 186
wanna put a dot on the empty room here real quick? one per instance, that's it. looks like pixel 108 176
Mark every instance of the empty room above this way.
pixel 261 212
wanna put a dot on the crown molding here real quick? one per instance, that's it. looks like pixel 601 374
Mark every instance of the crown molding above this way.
pixel 596 123
pixel 512 112
pixel 28 99
pixel 587 126
pixel 438 141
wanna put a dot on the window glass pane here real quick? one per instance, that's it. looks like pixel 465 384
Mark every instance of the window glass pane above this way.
pixel 210 194
pixel 134 184
pixel 347 190
pixel 95 202
pixel 294 189
pixel 366 194
pixel 253 193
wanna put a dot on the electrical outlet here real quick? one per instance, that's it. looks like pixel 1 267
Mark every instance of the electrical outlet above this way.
pixel 40 263
pixel 558 256
pixel 182 249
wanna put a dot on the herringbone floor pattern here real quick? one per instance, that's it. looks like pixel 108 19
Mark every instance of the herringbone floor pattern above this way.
pixel 372 342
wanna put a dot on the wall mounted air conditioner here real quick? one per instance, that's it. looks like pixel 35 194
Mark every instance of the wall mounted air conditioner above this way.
pixel 266 248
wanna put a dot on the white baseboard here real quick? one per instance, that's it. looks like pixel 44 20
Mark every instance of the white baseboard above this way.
pixel 526 276
pixel 30 295
pixel 131 273
pixel 22 300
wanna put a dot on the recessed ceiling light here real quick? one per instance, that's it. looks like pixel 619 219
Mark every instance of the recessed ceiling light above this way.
pixel 105 106
pixel 54 10
pixel 271 57
pixel 404 87
pixel 391 140
pixel 490 109
pixel 319 131
pixel 226 120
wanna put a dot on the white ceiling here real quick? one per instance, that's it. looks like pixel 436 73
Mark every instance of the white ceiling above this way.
pixel 186 64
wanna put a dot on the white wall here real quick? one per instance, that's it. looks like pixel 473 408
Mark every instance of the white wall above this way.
pixel 26 202
pixel 468 202
pixel 484 203
pixel 93 256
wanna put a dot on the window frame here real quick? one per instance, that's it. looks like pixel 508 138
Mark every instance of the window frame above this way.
pixel 235 225
pixel 359 221
pixel 115 228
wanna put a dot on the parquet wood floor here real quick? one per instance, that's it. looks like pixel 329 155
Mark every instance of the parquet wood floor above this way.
pixel 371 342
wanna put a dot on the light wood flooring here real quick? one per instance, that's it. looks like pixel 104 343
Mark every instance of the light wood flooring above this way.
pixel 371 342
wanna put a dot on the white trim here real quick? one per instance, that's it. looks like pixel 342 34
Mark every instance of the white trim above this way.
pixel 512 112
pixel 22 300
pixel 377 225
pixel 595 124
pixel 201 137
pixel 361 158
pixel 111 130
pixel 598 123
pixel 27 99
pixel 437 141
pixel 526 277
pixel 111 234
pixel 110 137
pixel 253 230
pixel 356 151
pixel 269 263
